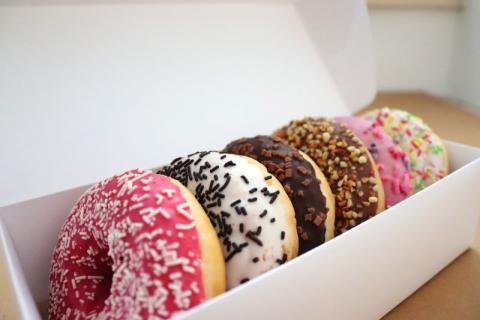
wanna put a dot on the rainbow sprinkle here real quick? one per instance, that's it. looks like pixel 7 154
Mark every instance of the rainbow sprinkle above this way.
pixel 423 148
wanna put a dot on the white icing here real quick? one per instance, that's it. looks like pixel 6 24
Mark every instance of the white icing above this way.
pixel 270 254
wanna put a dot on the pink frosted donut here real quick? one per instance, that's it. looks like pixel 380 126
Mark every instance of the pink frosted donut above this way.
pixel 428 158
pixel 134 247
pixel 391 160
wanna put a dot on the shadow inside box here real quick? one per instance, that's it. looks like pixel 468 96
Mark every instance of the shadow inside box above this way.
pixel 43 309
pixel 450 294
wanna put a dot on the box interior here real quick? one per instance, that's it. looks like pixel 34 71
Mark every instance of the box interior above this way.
pixel 374 266
pixel 42 218
pixel 8 304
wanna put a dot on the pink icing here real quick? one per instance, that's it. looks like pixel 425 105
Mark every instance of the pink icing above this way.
pixel 129 249
pixel 391 161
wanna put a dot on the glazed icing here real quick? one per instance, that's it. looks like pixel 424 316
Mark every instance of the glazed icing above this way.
pixel 128 250
pixel 424 149
pixel 346 164
pixel 392 161
pixel 245 210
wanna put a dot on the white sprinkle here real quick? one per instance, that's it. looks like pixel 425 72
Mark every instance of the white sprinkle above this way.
pixel 184 209
pixel 136 206
pixel 159 198
pixel 188 269
pixel 169 192
pixel 152 212
pixel 175 275
pixel 149 235
pixel 158 269
pixel 147 180
pixel 140 198
pixel 144 174
pixel 194 287
pixel 189 226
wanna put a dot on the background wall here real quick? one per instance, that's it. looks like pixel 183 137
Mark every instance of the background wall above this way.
pixel 431 50
pixel 414 48
pixel 464 83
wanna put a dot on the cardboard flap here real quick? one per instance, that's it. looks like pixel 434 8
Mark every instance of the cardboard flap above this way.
pixel 341 33
pixel 91 90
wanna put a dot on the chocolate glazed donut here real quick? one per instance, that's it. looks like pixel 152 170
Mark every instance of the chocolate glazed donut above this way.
pixel 302 180
pixel 348 165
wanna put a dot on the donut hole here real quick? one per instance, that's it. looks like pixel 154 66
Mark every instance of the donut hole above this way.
pixel 104 287
pixel 100 290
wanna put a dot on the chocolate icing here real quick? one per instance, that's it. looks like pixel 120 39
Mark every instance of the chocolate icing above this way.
pixel 344 161
pixel 298 179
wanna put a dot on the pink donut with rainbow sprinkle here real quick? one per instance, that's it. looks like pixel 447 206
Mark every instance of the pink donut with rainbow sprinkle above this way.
pixel 392 163
pixel 135 246
pixel 425 150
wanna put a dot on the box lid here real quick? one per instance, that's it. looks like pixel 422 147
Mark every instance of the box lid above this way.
pixel 91 90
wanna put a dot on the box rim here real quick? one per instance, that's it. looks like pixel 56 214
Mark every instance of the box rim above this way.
pixel 27 305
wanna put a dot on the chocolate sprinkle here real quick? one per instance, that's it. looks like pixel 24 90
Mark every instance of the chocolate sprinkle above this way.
pixel 263 214
pixel 225 214
pixel 283 260
pixel 252 236
pixel 229 164
pixel 234 203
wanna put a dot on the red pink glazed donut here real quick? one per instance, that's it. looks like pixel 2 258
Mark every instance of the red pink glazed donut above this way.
pixel 135 246
pixel 392 162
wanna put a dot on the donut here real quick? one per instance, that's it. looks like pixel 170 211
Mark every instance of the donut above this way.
pixel 346 163
pixel 135 246
pixel 392 162
pixel 303 181
pixel 248 207
pixel 425 150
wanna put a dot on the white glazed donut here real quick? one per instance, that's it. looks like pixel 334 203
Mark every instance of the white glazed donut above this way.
pixel 248 207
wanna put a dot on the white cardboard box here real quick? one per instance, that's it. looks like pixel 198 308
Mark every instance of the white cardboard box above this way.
pixel 252 64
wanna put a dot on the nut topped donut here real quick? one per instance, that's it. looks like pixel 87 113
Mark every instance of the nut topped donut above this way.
pixel 135 246
pixel 345 162
pixel 303 181
pixel 425 150
pixel 248 207
pixel 392 161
